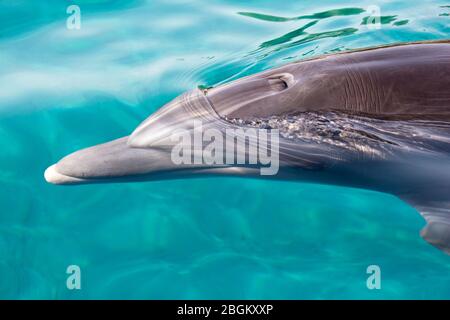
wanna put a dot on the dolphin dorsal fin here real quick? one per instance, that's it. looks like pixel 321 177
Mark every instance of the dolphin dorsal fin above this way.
pixel 437 216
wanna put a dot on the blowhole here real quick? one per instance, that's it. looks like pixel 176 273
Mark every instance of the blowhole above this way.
pixel 280 82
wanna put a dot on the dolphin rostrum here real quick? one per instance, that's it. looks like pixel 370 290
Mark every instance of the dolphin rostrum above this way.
pixel 375 118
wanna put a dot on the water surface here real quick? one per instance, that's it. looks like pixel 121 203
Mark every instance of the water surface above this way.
pixel 203 238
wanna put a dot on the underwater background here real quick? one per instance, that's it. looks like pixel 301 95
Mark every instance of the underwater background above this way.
pixel 206 238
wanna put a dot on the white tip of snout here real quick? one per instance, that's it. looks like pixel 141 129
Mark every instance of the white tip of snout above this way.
pixel 51 175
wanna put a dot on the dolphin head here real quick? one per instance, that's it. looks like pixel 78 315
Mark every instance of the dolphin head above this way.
pixel 145 154
pixel 148 153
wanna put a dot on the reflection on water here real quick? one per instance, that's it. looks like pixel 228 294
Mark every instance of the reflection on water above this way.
pixel 300 36
pixel 382 19
pixel 319 15
pixel 307 38
pixel 205 238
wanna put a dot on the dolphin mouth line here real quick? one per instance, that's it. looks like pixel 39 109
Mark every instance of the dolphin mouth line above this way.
pixel 52 175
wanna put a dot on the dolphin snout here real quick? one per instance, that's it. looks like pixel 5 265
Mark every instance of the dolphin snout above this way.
pixel 106 162
pixel 52 175
pixel 144 155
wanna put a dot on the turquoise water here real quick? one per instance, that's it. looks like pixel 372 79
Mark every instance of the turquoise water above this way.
pixel 208 238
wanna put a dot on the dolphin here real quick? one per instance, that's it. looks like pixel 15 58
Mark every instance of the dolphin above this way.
pixel 375 118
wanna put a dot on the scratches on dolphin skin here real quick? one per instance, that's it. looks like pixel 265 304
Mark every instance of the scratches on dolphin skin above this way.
pixel 357 97
pixel 362 89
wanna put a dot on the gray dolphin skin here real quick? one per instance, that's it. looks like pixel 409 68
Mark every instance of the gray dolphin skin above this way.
pixel 375 118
